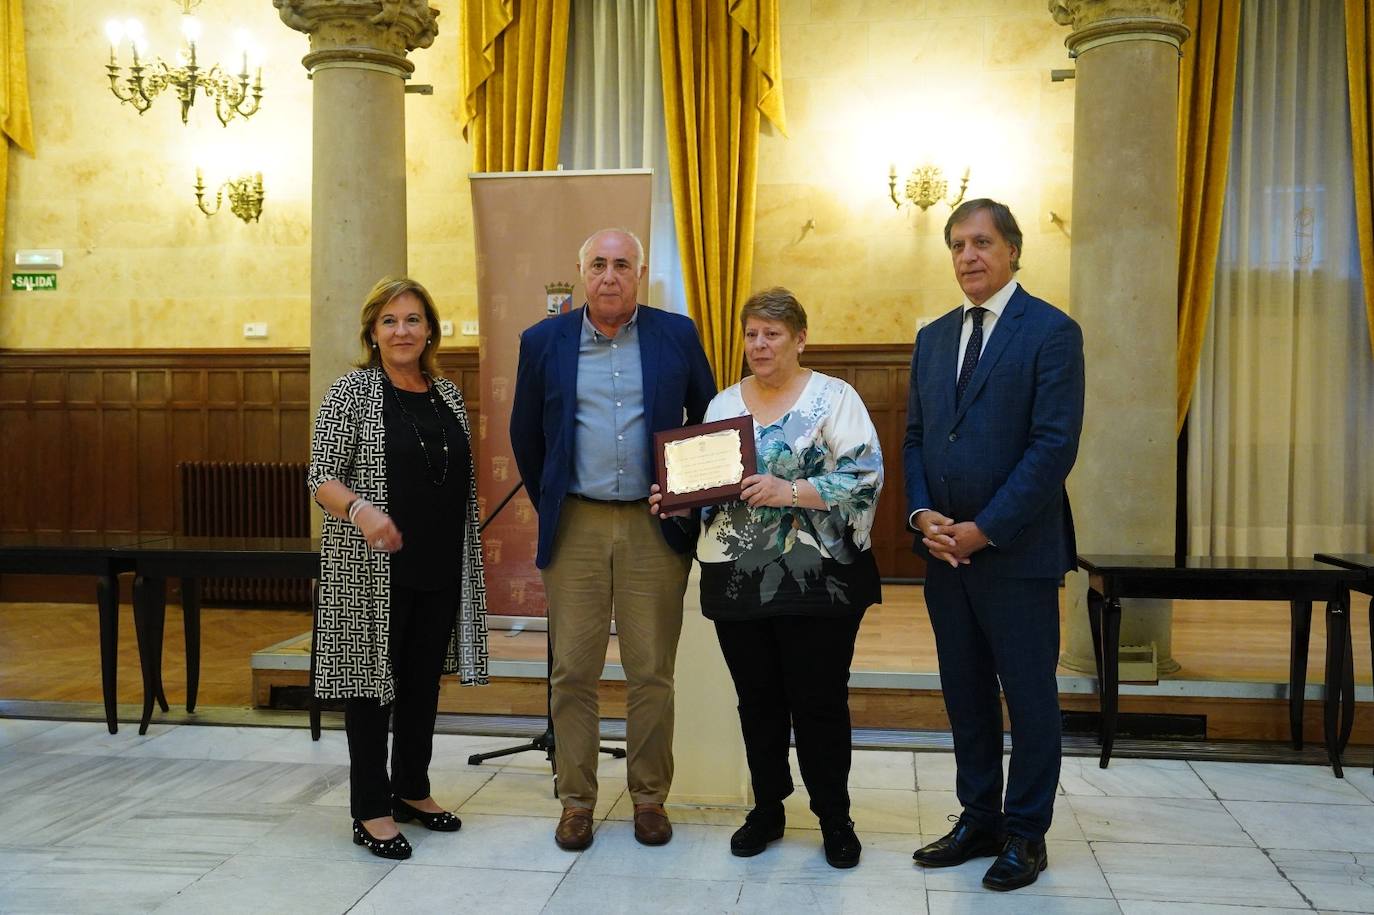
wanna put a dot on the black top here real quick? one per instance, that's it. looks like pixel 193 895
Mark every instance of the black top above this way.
pixel 427 504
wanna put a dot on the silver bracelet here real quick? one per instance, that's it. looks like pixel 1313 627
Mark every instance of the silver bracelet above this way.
pixel 356 506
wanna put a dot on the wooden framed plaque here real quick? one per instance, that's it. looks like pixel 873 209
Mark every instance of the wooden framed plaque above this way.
pixel 704 464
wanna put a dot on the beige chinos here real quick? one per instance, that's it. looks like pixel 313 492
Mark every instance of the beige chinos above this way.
pixel 611 558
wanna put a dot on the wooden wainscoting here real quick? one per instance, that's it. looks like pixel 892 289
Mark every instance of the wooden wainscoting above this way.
pixel 90 439
pixel 880 373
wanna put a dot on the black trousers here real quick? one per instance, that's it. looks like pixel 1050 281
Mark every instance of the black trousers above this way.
pixel 791 673
pixel 989 630
pixel 421 623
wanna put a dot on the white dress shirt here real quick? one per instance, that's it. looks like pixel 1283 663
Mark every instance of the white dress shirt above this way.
pixel 995 304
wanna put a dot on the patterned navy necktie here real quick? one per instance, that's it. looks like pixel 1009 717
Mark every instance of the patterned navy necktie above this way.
pixel 975 347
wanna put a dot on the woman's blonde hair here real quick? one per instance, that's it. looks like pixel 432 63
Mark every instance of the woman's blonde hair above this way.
pixel 382 295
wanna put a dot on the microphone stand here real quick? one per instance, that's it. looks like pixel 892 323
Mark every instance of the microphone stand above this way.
pixel 544 742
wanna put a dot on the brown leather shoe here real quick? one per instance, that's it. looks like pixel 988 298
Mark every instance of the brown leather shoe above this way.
pixel 651 824
pixel 574 831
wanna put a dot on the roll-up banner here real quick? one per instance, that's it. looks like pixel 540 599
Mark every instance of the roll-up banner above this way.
pixel 529 227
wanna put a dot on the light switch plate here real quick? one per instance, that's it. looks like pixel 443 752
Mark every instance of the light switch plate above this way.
pixel 255 329
pixel 470 329
pixel 446 328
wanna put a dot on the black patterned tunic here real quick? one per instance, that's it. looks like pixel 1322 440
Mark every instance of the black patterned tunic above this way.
pixel 352 656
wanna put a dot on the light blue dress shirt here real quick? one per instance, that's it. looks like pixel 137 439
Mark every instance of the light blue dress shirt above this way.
pixel 610 448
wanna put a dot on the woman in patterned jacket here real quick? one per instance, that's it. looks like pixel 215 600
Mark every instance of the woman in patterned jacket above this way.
pixel 787 573
pixel 402 599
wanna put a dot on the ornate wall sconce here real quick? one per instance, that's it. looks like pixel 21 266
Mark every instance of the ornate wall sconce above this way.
pixel 245 196
pixel 145 81
pixel 925 187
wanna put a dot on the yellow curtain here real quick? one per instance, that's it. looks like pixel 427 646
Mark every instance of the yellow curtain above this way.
pixel 1359 35
pixel 514 55
pixel 15 118
pixel 1207 92
pixel 721 70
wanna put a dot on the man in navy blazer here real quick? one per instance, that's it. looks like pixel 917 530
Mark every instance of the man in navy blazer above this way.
pixel 993 419
pixel 592 388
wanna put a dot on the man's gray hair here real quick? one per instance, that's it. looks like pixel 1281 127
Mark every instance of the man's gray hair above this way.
pixel 586 245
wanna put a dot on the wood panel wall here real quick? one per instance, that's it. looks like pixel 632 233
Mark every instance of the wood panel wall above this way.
pixel 90 439
pixel 880 373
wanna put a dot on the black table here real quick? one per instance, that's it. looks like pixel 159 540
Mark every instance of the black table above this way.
pixel 190 559
pixel 1360 562
pixel 64 553
pixel 1298 581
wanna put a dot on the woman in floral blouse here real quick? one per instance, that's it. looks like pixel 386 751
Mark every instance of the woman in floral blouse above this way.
pixel 786 573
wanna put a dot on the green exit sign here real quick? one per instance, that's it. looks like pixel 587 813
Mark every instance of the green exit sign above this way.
pixel 28 282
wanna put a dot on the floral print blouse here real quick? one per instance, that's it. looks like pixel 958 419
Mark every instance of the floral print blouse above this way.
pixel 759 562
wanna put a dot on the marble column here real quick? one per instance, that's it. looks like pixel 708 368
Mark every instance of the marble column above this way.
pixel 358 67
pixel 1123 287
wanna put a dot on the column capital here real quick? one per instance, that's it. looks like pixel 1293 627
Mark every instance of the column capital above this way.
pixel 369 34
pixel 1099 22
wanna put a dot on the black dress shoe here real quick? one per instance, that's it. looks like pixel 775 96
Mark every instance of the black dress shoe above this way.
pixel 961 843
pixel 1020 862
pixel 396 848
pixel 443 821
pixel 761 826
pixel 842 846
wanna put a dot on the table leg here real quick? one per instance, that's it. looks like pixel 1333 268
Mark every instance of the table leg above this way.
pixel 1111 644
pixel 1095 626
pixel 107 602
pixel 1299 638
pixel 1337 627
pixel 150 612
pixel 313 702
pixel 190 619
pixel 1348 684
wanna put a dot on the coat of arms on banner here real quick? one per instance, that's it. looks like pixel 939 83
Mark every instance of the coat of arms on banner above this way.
pixel 558 299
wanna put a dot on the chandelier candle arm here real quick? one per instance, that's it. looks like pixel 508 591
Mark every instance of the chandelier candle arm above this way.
pixel 925 187
pixel 232 94
pixel 245 196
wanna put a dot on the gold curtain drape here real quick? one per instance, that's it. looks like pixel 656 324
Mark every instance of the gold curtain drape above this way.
pixel 514 56
pixel 1207 94
pixel 15 118
pixel 1359 36
pixel 721 70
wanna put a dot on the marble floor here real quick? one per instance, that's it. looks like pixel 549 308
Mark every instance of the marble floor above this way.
pixel 222 819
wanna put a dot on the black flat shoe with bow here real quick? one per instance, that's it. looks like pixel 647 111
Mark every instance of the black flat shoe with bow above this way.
pixel 396 848
pixel 443 821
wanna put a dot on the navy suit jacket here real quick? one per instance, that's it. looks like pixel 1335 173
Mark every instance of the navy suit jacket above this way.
pixel 1001 457
pixel 677 387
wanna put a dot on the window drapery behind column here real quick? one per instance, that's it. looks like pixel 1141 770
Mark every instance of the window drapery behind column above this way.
pixel 513 57
pixel 1282 420
pixel 1207 91
pixel 613 118
pixel 1359 36
pixel 721 70
pixel 15 118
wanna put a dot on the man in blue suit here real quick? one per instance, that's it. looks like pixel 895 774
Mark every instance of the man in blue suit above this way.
pixel 993 419
pixel 592 388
